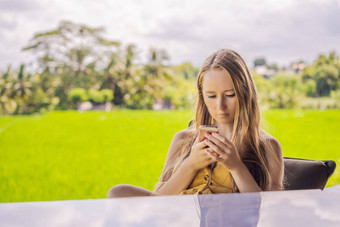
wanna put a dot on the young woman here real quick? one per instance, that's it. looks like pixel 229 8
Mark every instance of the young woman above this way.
pixel 240 157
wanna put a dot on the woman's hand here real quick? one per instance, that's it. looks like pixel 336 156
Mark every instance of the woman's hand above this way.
pixel 199 158
pixel 223 150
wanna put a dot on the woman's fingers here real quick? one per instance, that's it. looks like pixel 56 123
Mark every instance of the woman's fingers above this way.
pixel 214 155
pixel 200 145
pixel 218 142
pixel 209 149
pixel 196 140
pixel 215 148
pixel 224 140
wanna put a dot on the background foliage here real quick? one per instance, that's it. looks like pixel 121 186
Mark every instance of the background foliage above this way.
pixel 73 57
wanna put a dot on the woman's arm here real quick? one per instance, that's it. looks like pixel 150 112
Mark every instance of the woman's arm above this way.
pixel 275 164
pixel 179 181
pixel 183 176
pixel 245 181
pixel 228 155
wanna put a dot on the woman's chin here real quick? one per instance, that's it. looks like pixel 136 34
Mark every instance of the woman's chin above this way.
pixel 224 121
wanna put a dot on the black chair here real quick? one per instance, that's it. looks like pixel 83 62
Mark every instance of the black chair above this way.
pixel 306 174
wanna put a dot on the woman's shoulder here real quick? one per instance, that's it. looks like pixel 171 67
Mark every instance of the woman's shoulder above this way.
pixel 271 143
pixel 183 134
pixel 275 161
pixel 179 140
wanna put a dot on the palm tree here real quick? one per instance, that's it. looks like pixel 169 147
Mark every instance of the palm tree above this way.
pixel 21 90
pixel 156 73
pixel 7 105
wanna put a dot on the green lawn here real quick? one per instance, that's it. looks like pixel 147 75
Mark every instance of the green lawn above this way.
pixel 71 155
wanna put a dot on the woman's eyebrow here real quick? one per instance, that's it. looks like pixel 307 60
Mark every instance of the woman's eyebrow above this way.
pixel 232 89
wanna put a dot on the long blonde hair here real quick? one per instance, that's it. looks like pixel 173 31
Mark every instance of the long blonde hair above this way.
pixel 247 135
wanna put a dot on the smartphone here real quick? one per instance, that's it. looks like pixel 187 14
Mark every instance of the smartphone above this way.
pixel 204 129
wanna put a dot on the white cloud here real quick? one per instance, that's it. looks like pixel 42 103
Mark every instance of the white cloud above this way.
pixel 281 30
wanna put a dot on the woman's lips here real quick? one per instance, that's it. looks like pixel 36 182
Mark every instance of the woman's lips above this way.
pixel 223 115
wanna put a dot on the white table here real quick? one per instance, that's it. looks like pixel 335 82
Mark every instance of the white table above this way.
pixel 286 208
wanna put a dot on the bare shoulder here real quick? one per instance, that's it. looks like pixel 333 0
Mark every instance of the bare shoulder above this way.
pixel 275 161
pixel 178 141
pixel 182 135
pixel 273 146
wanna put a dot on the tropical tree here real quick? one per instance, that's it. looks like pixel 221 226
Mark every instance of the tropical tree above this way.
pixel 74 53
pixel 285 91
pixel 75 48
pixel 156 73
pixel 21 90
pixel 260 61
pixel 7 104
pixel 119 73
pixel 325 72
pixel 77 95
pixel 263 88
pixel 145 85
pixel 186 71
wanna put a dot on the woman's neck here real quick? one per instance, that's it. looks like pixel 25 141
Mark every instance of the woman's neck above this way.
pixel 225 130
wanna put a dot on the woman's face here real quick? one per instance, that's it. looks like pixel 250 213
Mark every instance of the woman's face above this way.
pixel 219 96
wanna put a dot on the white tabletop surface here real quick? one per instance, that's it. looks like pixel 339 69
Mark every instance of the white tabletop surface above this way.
pixel 285 208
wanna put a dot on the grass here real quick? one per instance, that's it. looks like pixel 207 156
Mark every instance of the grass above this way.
pixel 71 155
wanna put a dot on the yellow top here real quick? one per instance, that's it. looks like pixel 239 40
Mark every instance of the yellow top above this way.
pixel 220 181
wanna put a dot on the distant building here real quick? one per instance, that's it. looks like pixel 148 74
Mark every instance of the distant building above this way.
pixel 162 105
pixel 297 67
pixel 265 71
pixel 86 106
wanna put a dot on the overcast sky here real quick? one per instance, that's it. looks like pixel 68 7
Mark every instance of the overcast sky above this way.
pixel 280 30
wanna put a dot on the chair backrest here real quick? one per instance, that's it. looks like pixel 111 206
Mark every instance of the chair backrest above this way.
pixel 306 174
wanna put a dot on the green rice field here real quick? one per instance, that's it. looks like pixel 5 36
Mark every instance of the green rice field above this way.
pixel 71 155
